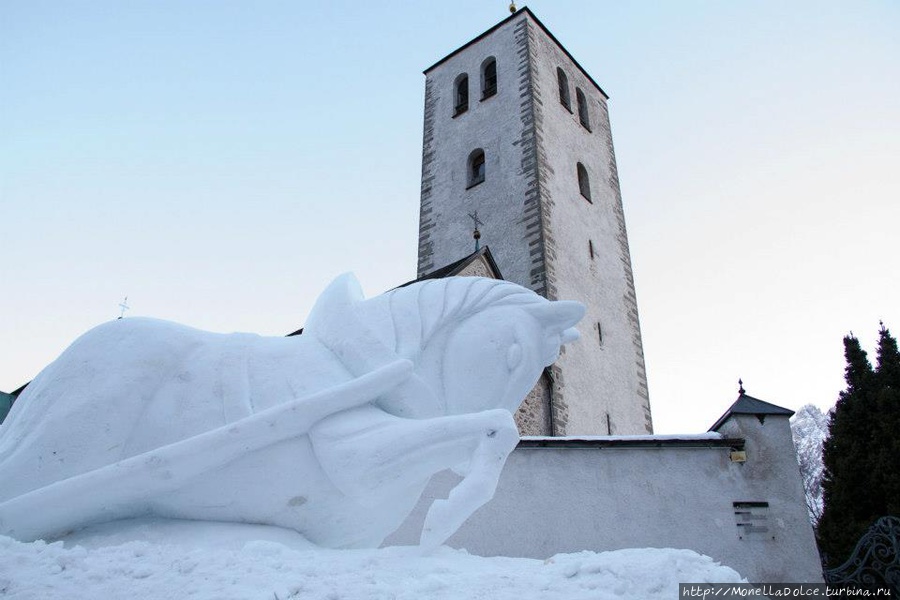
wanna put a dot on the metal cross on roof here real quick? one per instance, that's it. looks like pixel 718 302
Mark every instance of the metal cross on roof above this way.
pixel 124 306
pixel 476 234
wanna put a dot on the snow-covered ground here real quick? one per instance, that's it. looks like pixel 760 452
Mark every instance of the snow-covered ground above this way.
pixel 205 564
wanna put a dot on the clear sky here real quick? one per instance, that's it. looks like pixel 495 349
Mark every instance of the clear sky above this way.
pixel 219 162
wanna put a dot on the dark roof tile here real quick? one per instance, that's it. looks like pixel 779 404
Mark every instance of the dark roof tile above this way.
pixel 748 405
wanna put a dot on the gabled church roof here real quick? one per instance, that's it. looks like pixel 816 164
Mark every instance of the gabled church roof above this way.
pixel 455 268
pixel 6 402
pixel 748 405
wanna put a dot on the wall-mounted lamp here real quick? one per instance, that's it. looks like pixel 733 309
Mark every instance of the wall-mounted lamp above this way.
pixel 738 456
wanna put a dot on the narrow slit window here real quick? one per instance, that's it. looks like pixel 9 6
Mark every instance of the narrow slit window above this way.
pixel 461 94
pixel 591 248
pixel 599 333
pixel 476 168
pixel 563 89
pixel 488 78
pixel 583 115
pixel 584 183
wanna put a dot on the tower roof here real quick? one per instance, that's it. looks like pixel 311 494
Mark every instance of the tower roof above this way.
pixel 537 22
pixel 748 405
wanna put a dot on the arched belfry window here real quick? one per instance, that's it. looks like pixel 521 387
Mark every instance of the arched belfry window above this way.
pixel 584 183
pixel 582 109
pixel 563 88
pixel 488 78
pixel 475 168
pixel 461 94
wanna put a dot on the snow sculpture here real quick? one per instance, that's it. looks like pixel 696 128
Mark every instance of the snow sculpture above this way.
pixel 334 433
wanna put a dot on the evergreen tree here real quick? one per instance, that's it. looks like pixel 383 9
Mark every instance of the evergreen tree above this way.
pixel 888 421
pixel 861 481
pixel 888 369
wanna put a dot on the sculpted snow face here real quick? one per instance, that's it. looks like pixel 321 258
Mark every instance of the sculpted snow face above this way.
pixel 334 433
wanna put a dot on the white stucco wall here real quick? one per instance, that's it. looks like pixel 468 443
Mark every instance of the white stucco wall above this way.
pixel 535 221
pixel 568 499
pixel 605 384
pixel 494 125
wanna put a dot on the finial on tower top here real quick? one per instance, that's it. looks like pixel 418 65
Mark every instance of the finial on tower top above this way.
pixel 741 389
pixel 512 7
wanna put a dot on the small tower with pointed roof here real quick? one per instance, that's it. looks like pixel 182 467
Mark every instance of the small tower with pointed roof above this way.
pixel 517 130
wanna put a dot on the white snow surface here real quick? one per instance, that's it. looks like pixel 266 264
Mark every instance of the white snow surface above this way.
pixel 222 568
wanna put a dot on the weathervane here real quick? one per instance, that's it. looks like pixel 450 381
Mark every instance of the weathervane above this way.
pixel 741 389
pixel 124 306
pixel 476 234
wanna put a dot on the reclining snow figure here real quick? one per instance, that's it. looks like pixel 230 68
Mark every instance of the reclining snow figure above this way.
pixel 334 433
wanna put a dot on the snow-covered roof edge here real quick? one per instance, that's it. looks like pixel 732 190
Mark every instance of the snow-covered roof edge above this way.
pixel 700 440
pixel 709 435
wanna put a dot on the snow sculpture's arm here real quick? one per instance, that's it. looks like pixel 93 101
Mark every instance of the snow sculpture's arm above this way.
pixel 499 437
pixel 366 450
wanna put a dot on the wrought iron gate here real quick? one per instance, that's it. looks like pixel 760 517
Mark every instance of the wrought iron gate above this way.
pixel 875 562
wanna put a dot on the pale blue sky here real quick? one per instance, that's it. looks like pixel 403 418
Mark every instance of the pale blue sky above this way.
pixel 220 162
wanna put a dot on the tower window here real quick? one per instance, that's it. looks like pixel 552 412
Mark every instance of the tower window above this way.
pixel 461 88
pixel 488 78
pixel 584 183
pixel 582 109
pixel 563 89
pixel 599 333
pixel 476 168
pixel 591 248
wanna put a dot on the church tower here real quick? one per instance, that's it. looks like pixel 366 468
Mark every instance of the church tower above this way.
pixel 517 132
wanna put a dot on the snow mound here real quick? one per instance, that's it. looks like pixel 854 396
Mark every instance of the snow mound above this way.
pixel 269 570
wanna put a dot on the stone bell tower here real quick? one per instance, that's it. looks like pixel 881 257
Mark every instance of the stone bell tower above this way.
pixel 517 131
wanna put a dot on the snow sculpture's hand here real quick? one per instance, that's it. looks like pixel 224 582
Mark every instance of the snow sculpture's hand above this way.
pixel 497 437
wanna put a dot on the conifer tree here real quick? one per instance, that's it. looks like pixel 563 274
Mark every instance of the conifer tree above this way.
pixel 888 422
pixel 888 367
pixel 862 482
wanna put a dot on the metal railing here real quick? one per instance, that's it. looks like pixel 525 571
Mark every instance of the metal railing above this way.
pixel 875 562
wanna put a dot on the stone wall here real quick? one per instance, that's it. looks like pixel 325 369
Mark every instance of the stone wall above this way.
pixel 533 416
pixel 567 495
pixel 605 379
